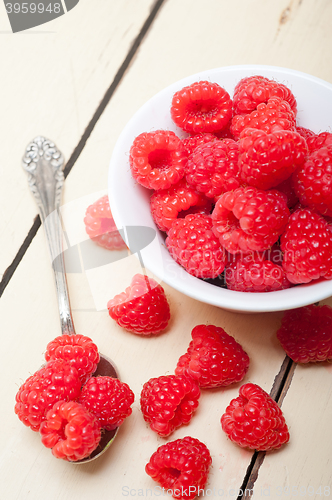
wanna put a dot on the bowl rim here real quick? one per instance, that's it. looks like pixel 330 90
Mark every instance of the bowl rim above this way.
pixel 184 282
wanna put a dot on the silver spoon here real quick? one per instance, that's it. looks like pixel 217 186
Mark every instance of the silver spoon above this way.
pixel 43 163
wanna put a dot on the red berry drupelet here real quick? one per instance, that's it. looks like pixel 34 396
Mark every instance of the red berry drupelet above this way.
pixel 169 401
pixel 157 159
pixel 265 160
pixel 253 90
pixel 100 225
pixel 213 358
pixel 77 350
pixel 254 420
pixel 108 399
pixel 55 381
pixel 142 308
pixel 201 107
pixel 181 466
pixel 249 219
pixel 213 167
pixel 71 431
pixel 306 333
pixel 307 247
pixel 193 246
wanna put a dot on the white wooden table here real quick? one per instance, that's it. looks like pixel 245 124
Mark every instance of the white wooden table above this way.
pixel 78 80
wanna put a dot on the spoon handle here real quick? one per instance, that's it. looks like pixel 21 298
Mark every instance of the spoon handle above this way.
pixel 43 163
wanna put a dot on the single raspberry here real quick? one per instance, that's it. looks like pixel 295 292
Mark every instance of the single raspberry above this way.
pixel 313 181
pixel 191 142
pixel 252 90
pixel 168 204
pixel 213 167
pixel 266 160
pixel 142 308
pixel 71 431
pixel 213 358
pixel 55 381
pixel 305 132
pixel 108 399
pixel 275 115
pixel 100 225
pixel 252 273
pixel 318 141
pixel 157 159
pixel 77 350
pixel 169 401
pixel 306 333
pixel 254 420
pixel 201 107
pixel 249 219
pixel 181 466
pixel 193 245
pixel 307 247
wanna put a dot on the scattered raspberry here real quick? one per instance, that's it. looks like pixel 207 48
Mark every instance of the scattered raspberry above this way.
pixel 249 219
pixel 313 181
pixel 268 159
pixel 253 273
pixel 72 432
pixel 55 381
pixel 213 358
pixel 307 247
pixel 181 466
pixel 108 399
pixel 77 350
pixel 100 225
pixel 306 333
pixel 193 245
pixel 169 401
pixel 201 107
pixel 318 141
pixel 213 167
pixel 191 142
pixel 275 115
pixel 157 159
pixel 167 204
pixel 252 90
pixel 142 308
pixel 254 420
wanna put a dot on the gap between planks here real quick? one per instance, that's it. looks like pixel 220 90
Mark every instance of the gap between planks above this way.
pixel 81 144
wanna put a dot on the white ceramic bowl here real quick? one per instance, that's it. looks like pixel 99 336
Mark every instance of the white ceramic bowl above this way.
pixel 130 201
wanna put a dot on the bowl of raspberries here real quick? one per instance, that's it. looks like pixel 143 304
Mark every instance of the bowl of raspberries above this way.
pixel 232 170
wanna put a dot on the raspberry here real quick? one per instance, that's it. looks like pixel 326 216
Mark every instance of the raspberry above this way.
pixel 142 308
pixel 181 466
pixel 213 167
pixel 307 247
pixel 249 219
pixel 77 350
pixel 191 143
pixel 201 107
pixel 169 401
pixel 313 181
pixel 55 381
pixel 213 358
pixel 108 399
pixel 167 204
pixel 254 420
pixel 253 273
pixel 157 159
pixel 72 432
pixel 268 159
pixel 252 90
pixel 275 115
pixel 100 225
pixel 193 245
pixel 318 141
pixel 305 132
pixel 306 333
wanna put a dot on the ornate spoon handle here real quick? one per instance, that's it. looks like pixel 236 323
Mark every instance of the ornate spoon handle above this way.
pixel 43 163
